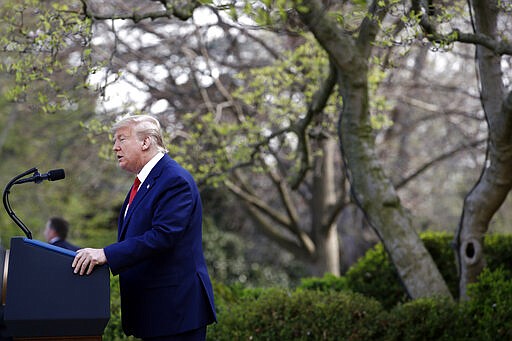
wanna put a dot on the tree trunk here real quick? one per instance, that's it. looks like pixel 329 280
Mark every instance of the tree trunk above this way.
pixel 324 196
pixel 376 196
pixel 322 250
pixel 495 182
pixel 372 190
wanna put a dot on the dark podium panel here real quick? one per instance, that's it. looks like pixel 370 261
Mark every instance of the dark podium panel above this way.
pixel 42 296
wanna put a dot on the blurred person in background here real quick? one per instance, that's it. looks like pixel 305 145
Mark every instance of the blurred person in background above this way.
pixel 56 231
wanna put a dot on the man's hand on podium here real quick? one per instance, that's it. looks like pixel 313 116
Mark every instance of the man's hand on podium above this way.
pixel 86 259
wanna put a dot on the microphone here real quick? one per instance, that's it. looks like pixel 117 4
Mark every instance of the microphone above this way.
pixel 52 175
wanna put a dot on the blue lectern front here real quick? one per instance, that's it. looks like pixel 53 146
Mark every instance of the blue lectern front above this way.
pixel 43 299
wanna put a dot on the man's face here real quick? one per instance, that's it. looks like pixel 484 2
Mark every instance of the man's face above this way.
pixel 128 149
pixel 48 232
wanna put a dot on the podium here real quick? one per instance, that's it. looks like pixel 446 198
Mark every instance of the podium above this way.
pixel 42 299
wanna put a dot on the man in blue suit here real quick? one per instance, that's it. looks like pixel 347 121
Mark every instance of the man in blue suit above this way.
pixel 166 292
pixel 56 232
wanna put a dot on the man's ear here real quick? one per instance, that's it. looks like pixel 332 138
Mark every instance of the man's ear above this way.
pixel 146 143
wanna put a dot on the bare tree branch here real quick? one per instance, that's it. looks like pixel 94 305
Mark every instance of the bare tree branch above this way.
pixel 423 168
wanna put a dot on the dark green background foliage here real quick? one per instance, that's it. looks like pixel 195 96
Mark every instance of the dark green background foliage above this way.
pixel 368 303
pixel 491 304
pixel 374 275
pixel 279 314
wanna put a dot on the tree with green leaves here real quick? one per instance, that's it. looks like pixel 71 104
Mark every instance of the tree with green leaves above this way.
pixel 46 122
pixel 352 34
pixel 372 189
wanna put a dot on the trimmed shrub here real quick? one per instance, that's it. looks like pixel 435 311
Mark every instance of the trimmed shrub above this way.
pixel 375 276
pixel 497 251
pixel 328 282
pixel 368 303
pixel 440 246
pixel 278 314
pixel 490 306
pixel 425 319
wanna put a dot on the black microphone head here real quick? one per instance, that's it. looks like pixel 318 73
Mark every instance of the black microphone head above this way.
pixel 56 174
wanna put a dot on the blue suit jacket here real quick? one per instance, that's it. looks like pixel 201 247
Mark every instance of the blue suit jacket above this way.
pixel 165 287
pixel 65 244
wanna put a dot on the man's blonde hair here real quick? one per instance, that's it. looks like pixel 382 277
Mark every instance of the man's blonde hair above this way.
pixel 143 126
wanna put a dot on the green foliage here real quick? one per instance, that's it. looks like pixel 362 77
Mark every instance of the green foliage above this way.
pixel 490 305
pixel 440 247
pixel 226 294
pixel 36 40
pixel 224 253
pixel 505 5
pixel 277 98
pixel 90 195
pixel 497 250
pixel 325 309
pixel 278 314
pixel 374 276
pixel 228 262
pixel 222 145
pixel 326 283
pixel 424 319
pixel 379 105
pixel 265 13
pixel 284 89
pixel 350 20
pixel 44 103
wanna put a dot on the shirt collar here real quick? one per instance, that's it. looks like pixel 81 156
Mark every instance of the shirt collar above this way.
pixel 53 240
pixel 144 172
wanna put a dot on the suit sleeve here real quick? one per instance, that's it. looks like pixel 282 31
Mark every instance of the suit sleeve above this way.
pixel 156 225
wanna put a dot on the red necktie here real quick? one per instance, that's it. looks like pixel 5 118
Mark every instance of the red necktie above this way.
pixel 135 187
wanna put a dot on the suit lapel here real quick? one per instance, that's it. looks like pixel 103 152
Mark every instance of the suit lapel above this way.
pixel 144 189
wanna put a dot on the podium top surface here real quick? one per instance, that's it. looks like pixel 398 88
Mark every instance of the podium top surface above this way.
pixel 50 247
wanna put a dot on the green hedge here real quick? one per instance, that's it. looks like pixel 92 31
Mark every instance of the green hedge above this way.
pixel 368 303
pixel 374 275
pixel 280 314
pixel 490 305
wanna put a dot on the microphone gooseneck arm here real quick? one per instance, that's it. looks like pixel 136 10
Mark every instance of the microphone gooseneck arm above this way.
pixel 7 205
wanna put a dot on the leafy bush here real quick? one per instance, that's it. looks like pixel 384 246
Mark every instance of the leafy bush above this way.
pixel 306 314
pixel 424 319
pixel 440 246
pixel 229 260
pixel 368 303
pixel 328 282
pixel 490 305
pixel 375 276
pixel 278 314
pixel 497 251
